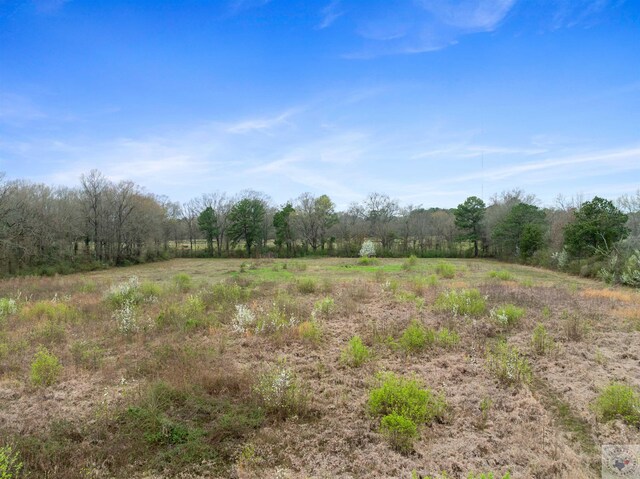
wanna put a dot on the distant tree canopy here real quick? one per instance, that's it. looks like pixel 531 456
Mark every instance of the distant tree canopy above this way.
pixel 45 229
pixel 468 218
pixel 521 231
pixel 246 222
pixel 598 225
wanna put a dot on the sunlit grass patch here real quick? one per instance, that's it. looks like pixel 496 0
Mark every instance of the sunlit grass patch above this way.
pixel 612 294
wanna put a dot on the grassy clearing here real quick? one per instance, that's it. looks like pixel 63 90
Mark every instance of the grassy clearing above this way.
pixel 211 367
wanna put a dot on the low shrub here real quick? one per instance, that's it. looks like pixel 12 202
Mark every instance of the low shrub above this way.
pixel 87 354
pixel 541 342
pixel 409 263
pixel 575 329
pixel 54 311
pixel 182 282
pixel 399 431
pixel 307 285
pixel 243 320
pixel 366 261
pixel 419 284
pixel 280 392
pixel 10 464
pixel 501 274
pixel 398 395
pixel 127 292
pixel 403 405
pixel 126 318
pixel 275 320
pixel 310 331
pixel 508 365
pixel 7 308
pixel 446 338
pixel 356 352
pixel 416 337
pixel 324 307
pixel 186 315
pixel 507 315
pixel 446 270
pixel 150 291
pixel 467 302
pixel 619 401
pixel 45 368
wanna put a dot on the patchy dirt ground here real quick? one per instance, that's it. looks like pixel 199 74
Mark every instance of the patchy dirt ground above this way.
pixel 544 429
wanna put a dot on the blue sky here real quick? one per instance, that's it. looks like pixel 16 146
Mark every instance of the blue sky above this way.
pixel 429 101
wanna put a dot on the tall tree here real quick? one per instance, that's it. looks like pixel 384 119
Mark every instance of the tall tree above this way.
pixel 521 231
pixel 283 227
pixel 468 217
pixel 598 225
pixel 208 224
pixel 246 222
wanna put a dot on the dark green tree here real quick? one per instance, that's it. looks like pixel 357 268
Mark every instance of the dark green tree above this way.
pixel 468 217
pixel 284 229
pixel 521 231
pixel 246 222
pixel 598 225
pixel 208 224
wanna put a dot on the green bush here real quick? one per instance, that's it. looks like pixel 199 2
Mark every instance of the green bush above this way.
pixel 446 338
pixel 416 337
pixel 501 274
pixel 619 401
pixel 399 431
pixel 45 368
pixel 446 270
pixel 10 465
pixel 310 331
pixel 508 365
pixel 405 397
pixel 467 302
pixel 409 263
pixel 356 352
pixel 366 261
pixel 324 307
pixel 182 282
pixel 150 290
pixel 541 341
pixel 507 315
pixel 307 285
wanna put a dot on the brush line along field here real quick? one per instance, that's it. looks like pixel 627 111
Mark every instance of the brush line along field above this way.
pixel 316 368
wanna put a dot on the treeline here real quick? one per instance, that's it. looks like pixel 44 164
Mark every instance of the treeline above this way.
pixel 45 229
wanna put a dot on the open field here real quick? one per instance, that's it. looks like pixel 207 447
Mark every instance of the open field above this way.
pixel 165 376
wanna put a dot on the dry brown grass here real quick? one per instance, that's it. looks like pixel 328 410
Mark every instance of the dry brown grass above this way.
pixel 201 375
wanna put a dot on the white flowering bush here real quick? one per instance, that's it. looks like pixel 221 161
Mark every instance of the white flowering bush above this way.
pixel 508 365
pixel 368 249
pixel 126 318
pixel 124 293
pixel 275 320
pixel 279 391
pixel 243 320
pixel 7 307
pixel 561 258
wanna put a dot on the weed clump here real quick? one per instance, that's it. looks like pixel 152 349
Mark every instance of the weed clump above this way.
pixel 182 282
pixel 54 311
pixel 127 293
pixel 45 368
pixel 467 302
pixel 10 464
pixel 541 341
pixel 501 274
pixel 307 285
pixel 356 352
pixel 7 308
pixel 446 270
pixel 403 405
pixel 87 354
pixel 324 307
pixel 280 392
pixel 416 337
pixel 508 365
pixel 619 401
pixel 410 263
pixel 507 315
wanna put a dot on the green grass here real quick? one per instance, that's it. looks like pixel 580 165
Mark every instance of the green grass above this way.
pixel 446 270
pixel 619 401
pixel 501 274
pixel 466 302
pixel 507 315
pixel 356 352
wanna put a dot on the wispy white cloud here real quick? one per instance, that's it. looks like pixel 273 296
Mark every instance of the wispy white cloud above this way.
pixel 330 14
pixel 260 123
pixel 469 15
